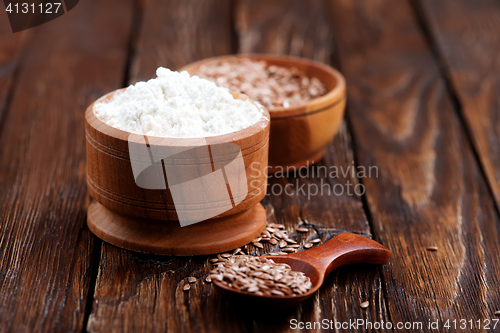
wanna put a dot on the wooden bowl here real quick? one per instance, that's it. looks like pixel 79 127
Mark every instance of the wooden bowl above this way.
pixel 299 134
pixel 123 210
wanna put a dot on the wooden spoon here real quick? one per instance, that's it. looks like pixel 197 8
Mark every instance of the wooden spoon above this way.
pixel 318 262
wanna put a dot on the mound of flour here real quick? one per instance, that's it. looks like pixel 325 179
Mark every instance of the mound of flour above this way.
pixel 177 105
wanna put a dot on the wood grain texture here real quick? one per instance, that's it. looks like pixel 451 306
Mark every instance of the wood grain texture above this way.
pixel 46 252
pixel 467 36
pixel 10 58
pixel 304 29
pixel 143 292
pixel 430 190
pixel 177 32
pixel 140 292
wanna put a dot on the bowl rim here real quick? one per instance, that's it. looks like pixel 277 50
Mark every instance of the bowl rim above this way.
pixel 330 99
pixel 100 126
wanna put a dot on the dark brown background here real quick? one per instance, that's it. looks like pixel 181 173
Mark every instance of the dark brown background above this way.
pixel 423 80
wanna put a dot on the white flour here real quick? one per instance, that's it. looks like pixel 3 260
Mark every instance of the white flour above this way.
pixel 177 105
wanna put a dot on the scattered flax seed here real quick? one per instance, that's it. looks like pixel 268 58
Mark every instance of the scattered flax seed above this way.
pixel 432 248
pixel 279 234
pixel 260 276
pixel 364 305
pixel 497 313
pixel 208 279
pixel 275 235
pixel 191 279
pixel 259 245
pixel 186 287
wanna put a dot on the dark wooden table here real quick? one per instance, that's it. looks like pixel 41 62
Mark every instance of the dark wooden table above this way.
pixel 423 80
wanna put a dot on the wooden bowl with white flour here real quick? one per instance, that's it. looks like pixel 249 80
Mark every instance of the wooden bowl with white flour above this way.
pixel 135 205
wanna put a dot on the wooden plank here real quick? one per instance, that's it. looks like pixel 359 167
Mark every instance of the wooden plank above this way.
pixel 300 30
pixel 467 36
pixel 143 292
pixel 178 32
pixel 46 252
pixel 430 190
pixel 136 292
pixel 10 53
pixel 304 30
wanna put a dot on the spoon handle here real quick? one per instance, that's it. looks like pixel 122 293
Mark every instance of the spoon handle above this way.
pixel 344 249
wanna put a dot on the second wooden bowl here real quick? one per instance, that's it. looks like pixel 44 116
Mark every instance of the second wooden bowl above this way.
pixel 300 134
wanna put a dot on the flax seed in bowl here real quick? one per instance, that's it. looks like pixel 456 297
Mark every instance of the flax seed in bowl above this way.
pixel 306 100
